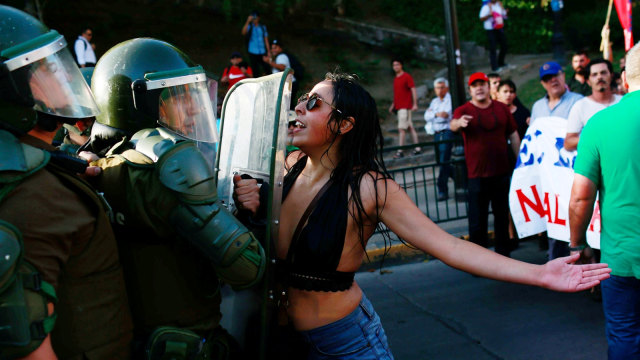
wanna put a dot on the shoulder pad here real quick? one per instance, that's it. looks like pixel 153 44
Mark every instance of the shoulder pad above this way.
pixel 118 147
pixel 184 169
pixel 10 253
pixel 18 160
pixel 154 142
pixel 136 158
pixel 180 164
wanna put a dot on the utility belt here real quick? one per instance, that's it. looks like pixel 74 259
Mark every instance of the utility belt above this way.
pixel 174 343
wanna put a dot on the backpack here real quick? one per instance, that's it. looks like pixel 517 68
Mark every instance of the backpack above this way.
pixel 72 48
pixel 296 65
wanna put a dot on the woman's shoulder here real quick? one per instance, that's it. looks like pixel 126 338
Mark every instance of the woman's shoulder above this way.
pixel 376 184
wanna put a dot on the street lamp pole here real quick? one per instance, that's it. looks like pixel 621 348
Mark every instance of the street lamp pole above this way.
pixel 454 57
pixel 557 39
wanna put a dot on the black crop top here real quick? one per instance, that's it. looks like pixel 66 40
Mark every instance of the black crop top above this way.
pixel 315 256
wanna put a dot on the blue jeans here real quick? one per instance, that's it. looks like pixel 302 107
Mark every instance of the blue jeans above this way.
pixel 621 305
pixel 359 335
pixel 443 156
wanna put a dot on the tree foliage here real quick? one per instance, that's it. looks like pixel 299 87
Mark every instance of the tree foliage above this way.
pixel 529 26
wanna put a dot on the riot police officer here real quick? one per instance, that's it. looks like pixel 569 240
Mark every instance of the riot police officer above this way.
pixel 62 291
pixel 175 238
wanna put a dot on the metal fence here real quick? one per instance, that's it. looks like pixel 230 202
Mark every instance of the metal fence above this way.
pixel 418 176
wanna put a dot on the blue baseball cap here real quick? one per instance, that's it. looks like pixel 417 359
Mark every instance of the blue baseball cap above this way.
pixel 550 68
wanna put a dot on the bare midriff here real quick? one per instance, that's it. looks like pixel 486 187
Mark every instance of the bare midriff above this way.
pixel 312 309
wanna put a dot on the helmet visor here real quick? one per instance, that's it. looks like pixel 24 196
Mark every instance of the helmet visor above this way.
pixel 187 110
pixel 58 87
pixel 56 84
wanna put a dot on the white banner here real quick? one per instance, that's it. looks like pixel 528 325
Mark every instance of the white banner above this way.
pixel 541 184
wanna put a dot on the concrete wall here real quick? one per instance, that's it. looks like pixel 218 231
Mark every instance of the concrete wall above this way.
pixel 427 47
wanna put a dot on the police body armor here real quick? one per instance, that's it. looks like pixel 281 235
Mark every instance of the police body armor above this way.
pixel 84 313
pixel 173 234
pixel 23 309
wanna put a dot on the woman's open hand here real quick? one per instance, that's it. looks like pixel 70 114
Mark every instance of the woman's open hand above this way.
pixel 562 274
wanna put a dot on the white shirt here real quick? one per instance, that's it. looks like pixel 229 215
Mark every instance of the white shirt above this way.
pixel 84 51
pixel 439 105
pixel 583 110
pixel 282 59
pixel 489 8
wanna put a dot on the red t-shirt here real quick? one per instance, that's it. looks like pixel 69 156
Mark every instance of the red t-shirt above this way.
pixel 235 74
pixel 402 85
pixel 485 139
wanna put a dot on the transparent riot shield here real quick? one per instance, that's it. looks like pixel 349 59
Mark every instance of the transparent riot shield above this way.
pixel 253 134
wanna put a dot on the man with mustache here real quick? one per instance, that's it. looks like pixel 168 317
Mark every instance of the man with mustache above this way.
pixel 600 73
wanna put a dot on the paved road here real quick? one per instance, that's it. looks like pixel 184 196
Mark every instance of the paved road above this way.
pixel 431 311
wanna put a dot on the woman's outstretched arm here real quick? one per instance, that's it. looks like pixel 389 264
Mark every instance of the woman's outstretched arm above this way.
pixel 407 221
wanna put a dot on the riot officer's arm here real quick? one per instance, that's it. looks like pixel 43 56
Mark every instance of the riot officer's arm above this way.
pixel 27 312
pixel 45 350
pixel 199 217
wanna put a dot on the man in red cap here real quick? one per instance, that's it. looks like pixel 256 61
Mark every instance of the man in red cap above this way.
pixel 486 125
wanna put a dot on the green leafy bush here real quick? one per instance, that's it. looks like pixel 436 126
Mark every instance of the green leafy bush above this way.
pixel 529 27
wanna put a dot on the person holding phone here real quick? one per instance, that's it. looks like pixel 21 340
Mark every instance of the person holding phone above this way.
pixel 257 39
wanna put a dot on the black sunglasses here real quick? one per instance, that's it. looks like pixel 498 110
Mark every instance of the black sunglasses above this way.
pixel 312 101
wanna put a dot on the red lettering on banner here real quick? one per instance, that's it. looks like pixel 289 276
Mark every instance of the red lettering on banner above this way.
pixel 547 208
pixel 595 218
pixel 541 208
pixel 537 206
pixel 559 221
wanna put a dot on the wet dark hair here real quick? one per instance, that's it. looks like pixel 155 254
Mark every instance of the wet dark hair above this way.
pixel 509 83
pixel 361 148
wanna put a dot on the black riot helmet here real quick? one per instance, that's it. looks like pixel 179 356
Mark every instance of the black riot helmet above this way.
pixel 38 74
pixel 143 82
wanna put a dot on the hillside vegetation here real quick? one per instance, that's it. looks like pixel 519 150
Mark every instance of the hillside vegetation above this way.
pixel 209 30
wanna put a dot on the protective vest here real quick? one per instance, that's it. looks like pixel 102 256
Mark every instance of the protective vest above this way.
pixel 93 320
pixel 167 223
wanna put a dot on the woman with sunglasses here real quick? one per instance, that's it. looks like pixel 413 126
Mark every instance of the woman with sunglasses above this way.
pixel 341 181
